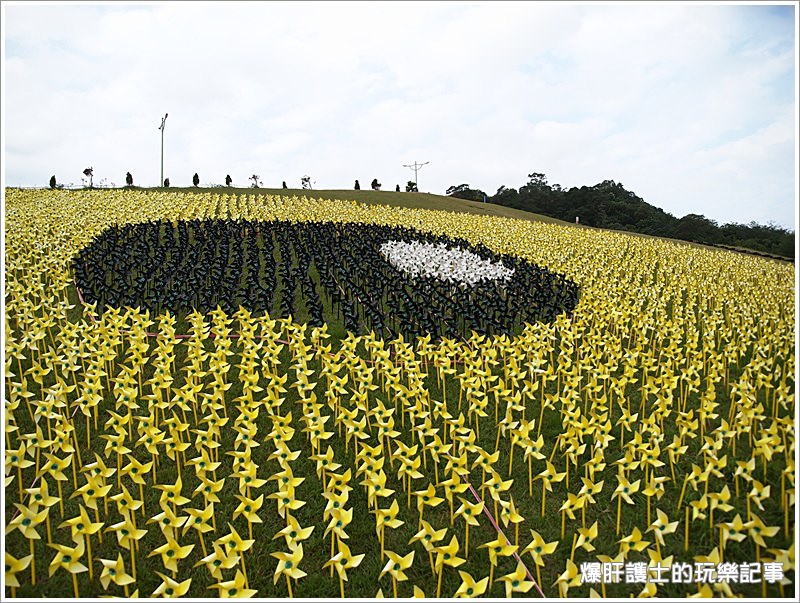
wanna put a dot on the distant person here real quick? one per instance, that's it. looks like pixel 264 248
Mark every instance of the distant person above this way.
pixel 397 188
pixel 166 182
pixel 53 181
pixel 376 186
pixel 129 179
pixel 358 186
pixel 284 184
pixel 228 180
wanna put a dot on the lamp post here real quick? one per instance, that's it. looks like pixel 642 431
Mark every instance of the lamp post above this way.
pixel 161 127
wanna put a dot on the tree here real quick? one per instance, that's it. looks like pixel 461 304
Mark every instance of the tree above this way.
pixel 463 191
pixel 256 180
pixel 537 180
pixel 228 180
pixel 166 182
pixel 89 173
pixel 128 179
pixel 52 181
pixel 376 186
pixel 196 179
pixel 358 186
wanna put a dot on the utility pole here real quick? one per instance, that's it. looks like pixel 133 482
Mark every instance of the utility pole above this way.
pixel 161 127
pixel 416 167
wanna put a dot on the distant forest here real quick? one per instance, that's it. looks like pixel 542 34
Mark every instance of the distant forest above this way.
pixel 610 205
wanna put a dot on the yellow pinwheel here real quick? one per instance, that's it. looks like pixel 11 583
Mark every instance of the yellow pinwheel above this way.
pixel 168 522
pixel 470 512
pixel 233 542
pixel 137 472
pixel 171 495
pixel 81 527
pixel 126 504
pixel 585 538
pixel 249 509
pixel 171 552
pixel 733 530
pixel 127 537
pixel 54 468
pixel 387 518
pixel 289 566
pixel 427 498
pixel 209 489
pixel 294 533
pixel 41 496
pixel 325 463
pixel 452 487
pixel 538 548
pixel 624 491
pixel 13 567
pixel 509 514
pixel 396 566
pixel 68 559
pixel 429 536
pixel 170 588
pixel 757 531
pixel 220 559
pixel 499 547
pixel 470 587
pixel 661 527
pixel 28 519
pixel 200 520
pixel 114 571
pixel 517 581
pixel 16 458
pixel 343 560
pixel 236 588
pixel 549 476
pixel 633 541
pixel 446 555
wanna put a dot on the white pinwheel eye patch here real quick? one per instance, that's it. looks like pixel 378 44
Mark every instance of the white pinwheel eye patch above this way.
pixel 436 260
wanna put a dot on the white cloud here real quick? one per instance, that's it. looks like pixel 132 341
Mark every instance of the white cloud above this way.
pixel 691 107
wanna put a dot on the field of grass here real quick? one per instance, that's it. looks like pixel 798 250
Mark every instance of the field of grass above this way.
pixel 673 378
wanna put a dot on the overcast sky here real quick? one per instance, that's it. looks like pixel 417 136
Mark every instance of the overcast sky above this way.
pixel 692 107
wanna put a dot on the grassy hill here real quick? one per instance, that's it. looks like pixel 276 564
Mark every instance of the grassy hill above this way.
pixel 415 200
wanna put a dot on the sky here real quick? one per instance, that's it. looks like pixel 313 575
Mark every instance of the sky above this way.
pixel 691 106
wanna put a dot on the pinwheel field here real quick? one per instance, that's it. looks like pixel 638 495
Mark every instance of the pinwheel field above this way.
pixel 327 424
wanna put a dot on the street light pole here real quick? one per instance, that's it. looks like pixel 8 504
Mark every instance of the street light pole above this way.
pixel 161 127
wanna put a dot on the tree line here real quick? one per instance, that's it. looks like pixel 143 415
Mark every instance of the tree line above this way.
pixel 609 205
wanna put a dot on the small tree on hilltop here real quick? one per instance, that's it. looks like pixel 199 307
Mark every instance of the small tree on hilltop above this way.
pixel 196 179
pixel 89 173
pixel 256 180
